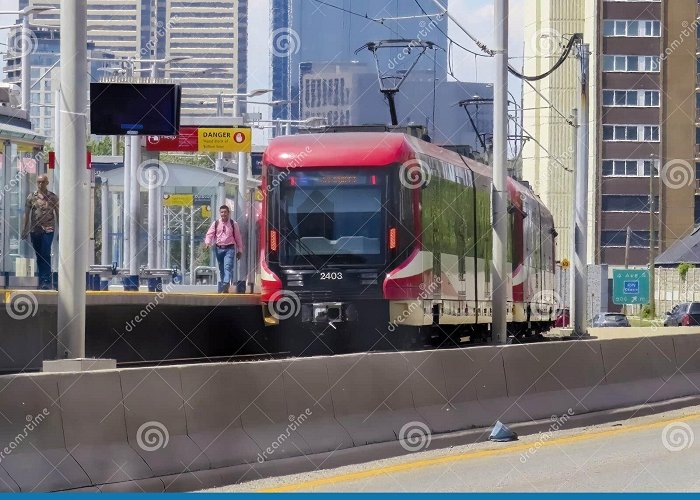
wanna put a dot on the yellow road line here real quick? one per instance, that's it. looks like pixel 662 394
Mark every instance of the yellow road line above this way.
pixel 471 455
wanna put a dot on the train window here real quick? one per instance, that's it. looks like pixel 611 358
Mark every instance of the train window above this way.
pixel 339 222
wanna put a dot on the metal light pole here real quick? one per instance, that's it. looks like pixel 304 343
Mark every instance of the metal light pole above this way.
pixel 574 201
pixel 192 266
pixel 499 296
pixel 26 71
pixel 75 183
pixel 104 223
pixel 183 235
pixel 241 206
pixel 126 203
pixel 134 204
pixel 219 166
pixel 152 176
pixel 652 285
pixel 580 260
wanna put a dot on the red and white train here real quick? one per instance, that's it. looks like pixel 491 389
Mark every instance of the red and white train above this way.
pixel 374 240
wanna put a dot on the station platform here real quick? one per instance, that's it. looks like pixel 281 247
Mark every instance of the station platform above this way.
pixel 132 327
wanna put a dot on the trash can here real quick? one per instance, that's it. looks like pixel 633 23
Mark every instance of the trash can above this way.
pixel 205 275
pixel 155 284
pixel 131 283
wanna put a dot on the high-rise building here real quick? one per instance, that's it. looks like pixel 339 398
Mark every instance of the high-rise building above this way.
pixel 207 39
pixel 309 31
pixel 348 94
pixel 45 73
pixel 647 121
pixel 642 120
pixel 547 163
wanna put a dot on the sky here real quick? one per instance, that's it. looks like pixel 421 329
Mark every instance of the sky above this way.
pixel 475 15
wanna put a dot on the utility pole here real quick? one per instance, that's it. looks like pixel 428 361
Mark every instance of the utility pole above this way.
pixel 627 246
pixel 652 287
pixel 499 193
pixel 153 176
pixel 74 190
pixel 134 206
pixel 572 235
pixel 126 203
pixel 26 71
pixel 219 166
pixel 580 259
pixel 241 206
pixel 104 222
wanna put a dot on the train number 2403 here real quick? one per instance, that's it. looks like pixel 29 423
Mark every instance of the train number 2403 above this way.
pixel 331 276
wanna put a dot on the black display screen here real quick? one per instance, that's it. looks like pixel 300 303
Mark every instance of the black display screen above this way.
pixel 134 108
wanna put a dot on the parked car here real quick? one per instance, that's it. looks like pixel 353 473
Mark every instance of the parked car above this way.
pixel 685 314
pixel 610 320
pixel 562 319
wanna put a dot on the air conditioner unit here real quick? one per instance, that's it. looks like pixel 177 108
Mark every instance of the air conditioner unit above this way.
pixel 10 95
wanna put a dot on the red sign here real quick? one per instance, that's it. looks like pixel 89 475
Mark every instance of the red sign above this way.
pixel 52 160
pixel 186 140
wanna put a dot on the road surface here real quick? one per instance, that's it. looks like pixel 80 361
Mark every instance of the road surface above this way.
pixel 656 453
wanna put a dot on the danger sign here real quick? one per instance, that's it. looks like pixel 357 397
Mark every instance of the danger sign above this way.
pixel 206 140
pixel 225 140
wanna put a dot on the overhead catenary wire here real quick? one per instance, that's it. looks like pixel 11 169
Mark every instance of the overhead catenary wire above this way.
pixel 576 37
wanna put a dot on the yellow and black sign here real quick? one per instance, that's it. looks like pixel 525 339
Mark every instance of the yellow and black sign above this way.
pixel 178 200
pixel 225 140
pixel 565 263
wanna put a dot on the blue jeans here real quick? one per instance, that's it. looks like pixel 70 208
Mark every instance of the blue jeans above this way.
pixel 225 258
pixel 42 246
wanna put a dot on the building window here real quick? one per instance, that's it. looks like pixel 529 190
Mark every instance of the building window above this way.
pixel 627 98
pixel 619 133
pixel 628 168
pixel 651 133
pixel 618 238
pixel 631 133
pixel 697 209
pixel 646 165
pixel 630 64
pixel 627 203
pixel 615 27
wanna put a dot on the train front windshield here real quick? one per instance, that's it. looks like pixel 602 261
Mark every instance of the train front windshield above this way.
pixel 332 217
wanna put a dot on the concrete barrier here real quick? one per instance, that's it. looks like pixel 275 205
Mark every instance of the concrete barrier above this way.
pixel 371 395
pixel 94 427
pixel 233 422
pixel 33 450
pixel 211 394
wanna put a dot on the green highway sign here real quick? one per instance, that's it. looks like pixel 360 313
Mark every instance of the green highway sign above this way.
pixel 630 286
